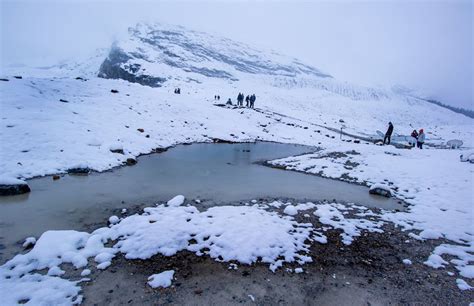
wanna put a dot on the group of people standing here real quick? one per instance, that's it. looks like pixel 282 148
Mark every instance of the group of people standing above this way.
pixel 249 100
pixel 417 137
pixel 177 91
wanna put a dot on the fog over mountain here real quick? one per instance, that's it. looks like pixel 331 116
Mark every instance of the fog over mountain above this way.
pixel 425 46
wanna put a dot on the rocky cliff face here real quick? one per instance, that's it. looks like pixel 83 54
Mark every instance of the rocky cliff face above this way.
pixel 117 66
pixel 153 54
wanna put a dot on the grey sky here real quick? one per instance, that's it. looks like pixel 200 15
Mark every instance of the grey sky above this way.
pixel 426 45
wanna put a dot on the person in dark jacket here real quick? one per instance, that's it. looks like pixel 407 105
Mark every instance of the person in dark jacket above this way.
pixel 247 101
pixel 252 100
pixel 414 136
pixel 241 99
pixel 388 134
pixel 229 102
pixel 421 139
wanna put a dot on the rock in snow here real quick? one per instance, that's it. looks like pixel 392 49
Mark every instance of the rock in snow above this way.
pixel 29 242
pixel 381 190
pixel 12 186
pixel 162 279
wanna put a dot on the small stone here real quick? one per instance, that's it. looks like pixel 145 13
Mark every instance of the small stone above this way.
pixel 131 161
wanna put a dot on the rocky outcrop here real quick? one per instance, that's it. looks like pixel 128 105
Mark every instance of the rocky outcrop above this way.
pixel 14 189
pixel 116 66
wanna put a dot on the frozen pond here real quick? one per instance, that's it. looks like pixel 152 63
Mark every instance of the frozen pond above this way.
pixel 216 173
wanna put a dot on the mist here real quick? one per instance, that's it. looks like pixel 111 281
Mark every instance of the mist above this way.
pixel 426 46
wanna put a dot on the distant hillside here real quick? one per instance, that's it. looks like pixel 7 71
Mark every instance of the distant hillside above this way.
pixel 465 112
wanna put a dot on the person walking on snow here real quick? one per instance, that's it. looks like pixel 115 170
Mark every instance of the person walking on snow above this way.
pixel 247 101
pixel 421 139
pixel 388 134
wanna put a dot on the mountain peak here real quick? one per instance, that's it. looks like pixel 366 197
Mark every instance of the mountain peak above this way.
pixel 155 53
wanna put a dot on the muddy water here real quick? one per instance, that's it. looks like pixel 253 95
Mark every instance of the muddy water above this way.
pixel 216 173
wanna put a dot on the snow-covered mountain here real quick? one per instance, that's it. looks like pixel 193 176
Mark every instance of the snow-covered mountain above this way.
pixel 154 54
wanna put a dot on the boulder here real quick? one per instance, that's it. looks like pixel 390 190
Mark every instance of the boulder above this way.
pixel 381 190
pixel 131 161
pixel 13 187
pixel 118 151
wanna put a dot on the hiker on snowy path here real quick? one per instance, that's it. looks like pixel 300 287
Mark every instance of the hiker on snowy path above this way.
pixel 247 100
pixel 388 134
pixel 421 139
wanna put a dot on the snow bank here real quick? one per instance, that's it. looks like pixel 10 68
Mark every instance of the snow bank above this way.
pixel 241 233
pixel 18 282
pixel 176 201
pixel 7 180
pixel 162 279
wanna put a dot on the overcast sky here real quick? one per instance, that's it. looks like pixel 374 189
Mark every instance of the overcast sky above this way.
pixel 425 45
